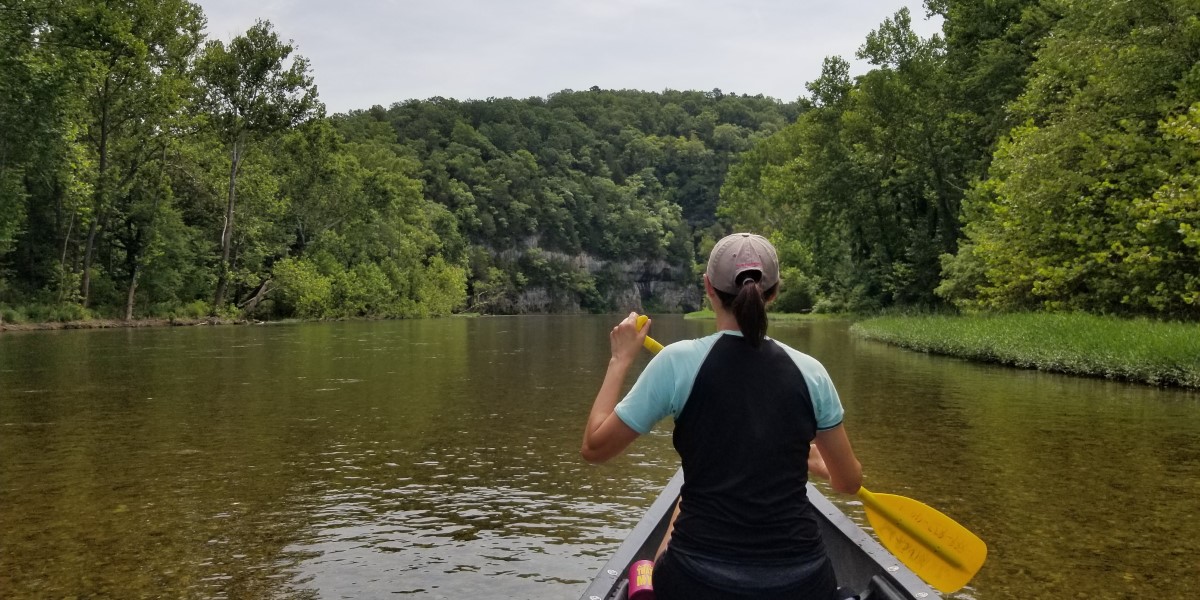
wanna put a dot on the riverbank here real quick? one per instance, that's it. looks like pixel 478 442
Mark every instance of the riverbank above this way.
pixel 117 323
pixel 1138 350
pixel 774 317
pixel 165 322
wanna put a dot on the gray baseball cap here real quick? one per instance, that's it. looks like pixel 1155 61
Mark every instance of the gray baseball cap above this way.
pixel 735 254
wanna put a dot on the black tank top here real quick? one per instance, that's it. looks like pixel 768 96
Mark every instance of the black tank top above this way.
pixel 743 437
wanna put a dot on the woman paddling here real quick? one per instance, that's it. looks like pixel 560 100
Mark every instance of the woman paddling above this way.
pixel 746 410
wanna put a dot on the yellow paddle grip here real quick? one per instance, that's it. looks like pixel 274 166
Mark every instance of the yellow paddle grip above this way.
pixel 650 343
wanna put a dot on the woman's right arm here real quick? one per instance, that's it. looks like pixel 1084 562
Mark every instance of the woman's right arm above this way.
pixel 845 472
pixel 605 434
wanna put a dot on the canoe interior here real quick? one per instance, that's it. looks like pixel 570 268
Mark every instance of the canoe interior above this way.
pixel 861 564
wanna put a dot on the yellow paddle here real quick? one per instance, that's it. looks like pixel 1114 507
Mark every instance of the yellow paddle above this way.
pixel 649 343
pixel 936 548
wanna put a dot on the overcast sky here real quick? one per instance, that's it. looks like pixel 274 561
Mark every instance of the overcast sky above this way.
pixel 367 52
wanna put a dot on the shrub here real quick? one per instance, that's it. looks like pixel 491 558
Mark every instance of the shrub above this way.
pixel 11 315
pixel 196 309
pixel 303 288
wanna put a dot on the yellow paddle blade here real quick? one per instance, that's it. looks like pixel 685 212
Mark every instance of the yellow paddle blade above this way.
pixel 649 343
pixel 939 550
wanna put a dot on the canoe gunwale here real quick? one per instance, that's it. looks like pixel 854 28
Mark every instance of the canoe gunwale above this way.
pixel 643 538
pixel 856 556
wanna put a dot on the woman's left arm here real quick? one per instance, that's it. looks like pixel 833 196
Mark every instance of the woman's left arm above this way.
pixel 845 472
pixel 606 435
pixel 816 464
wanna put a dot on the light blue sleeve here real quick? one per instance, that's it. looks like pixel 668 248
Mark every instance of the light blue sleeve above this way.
pixel 650 398
pixel 826 404
pixel 664 387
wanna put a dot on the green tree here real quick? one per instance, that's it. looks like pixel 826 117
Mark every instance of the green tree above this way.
pixel 43 166
pixel 1164 256
pixel 867 182
pixel 136 55
pixel 1066 217
pixel 251 88
pixel 601 173
pixel 989 48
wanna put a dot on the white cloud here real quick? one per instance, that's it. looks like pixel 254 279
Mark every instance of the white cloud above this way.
pixel 379 52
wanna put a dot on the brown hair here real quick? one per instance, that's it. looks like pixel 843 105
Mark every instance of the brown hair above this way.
pixel 749 306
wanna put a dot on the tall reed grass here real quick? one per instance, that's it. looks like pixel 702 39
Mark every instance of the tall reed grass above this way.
pixel 1142 350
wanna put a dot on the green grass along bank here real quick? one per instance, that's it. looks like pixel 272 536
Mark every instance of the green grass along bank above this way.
pixel 1138 350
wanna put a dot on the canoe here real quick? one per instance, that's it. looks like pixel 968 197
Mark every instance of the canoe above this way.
pixel 863 567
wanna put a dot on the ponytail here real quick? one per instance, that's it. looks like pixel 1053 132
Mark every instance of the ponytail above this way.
pixel 749 306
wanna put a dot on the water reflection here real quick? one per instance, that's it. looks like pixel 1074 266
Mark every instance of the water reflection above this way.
pixel 439 459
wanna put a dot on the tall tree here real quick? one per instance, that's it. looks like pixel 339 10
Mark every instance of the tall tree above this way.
pixel 251 88
pixel 1082 206
pixel 867 181
pixel 32 119
pixel 137 53
pixel 989 48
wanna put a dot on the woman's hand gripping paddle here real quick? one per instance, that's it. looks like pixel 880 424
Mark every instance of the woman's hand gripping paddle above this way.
pixel 936 548
pixel 649 342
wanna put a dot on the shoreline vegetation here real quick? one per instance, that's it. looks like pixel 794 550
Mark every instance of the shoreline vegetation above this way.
pixel 1141 350
pixel 103 323
pixel 775 317
pixel 922 182
pixel 1146 351
pixel 1161 353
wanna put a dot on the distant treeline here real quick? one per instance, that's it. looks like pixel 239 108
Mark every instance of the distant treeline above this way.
pixel 147 171
pixel 615 177
pixel 1042 155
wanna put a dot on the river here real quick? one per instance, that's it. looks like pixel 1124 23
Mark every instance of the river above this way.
pixel 439 459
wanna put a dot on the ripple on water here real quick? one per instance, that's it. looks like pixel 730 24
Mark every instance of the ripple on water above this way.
pixel 439 526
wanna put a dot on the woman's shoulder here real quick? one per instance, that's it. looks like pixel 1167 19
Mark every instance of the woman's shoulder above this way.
pixel 700 344
pixel 805 362
pixel 688 351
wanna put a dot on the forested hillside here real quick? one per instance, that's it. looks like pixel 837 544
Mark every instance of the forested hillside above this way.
pixel 592 200
pixel 148 171
pixel 1039 154
pixel 1043 154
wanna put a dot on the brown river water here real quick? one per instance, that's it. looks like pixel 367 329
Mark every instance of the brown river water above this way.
pixel 439 459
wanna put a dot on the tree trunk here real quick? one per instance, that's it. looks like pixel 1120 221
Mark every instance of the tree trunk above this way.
pixel 140 242
pixel 227 231
pixel 85 286
pixel 133 281
pixel 101 184
pixel 63 268
pixel 62 262
pixel 251 303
